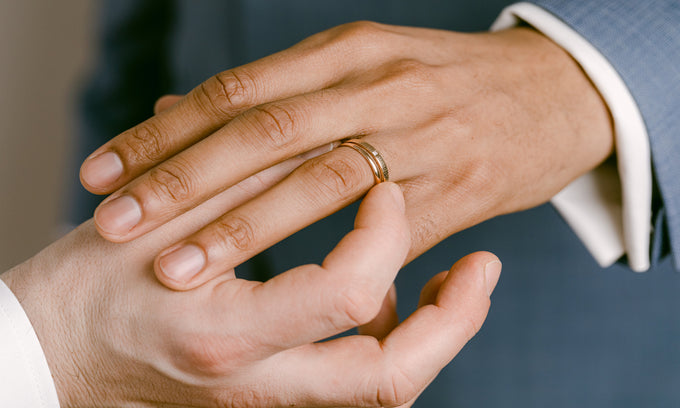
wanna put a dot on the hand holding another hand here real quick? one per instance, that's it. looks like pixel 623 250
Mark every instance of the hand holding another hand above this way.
pixel 470 125
pixel 113 336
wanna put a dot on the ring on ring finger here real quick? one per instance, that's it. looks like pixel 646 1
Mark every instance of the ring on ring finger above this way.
pixel 372 156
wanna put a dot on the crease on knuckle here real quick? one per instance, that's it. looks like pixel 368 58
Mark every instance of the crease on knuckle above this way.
pixel 470 326
pixel 354 306
pixel 335 177
pixel 481 182
pixel 172 181
pixel 144 143
pixel 229 92
pixel 277 125
pixel 396 387
pixel 234 232
pixel 414 75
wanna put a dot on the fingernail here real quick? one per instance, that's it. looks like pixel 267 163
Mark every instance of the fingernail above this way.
pixel 492 271
pixel 398 196
pixel 100 171
pixel 182 264
pixel 118 216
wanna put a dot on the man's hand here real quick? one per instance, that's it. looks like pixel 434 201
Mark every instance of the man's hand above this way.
pixel 114 336
pixel 471 126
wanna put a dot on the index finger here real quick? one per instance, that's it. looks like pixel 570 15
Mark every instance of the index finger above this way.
pixel 212 104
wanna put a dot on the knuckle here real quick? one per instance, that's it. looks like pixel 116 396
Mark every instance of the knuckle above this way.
pixel 481 182
pixel 414 74
pixel 276 125
pixel 144 143
pixel 234 232
pixel 205 355
pixel 335 177
pixel 172 181
pixel 354 306
pixel 362 38
pixel 359 30
pixel 228 92
pixel 396 388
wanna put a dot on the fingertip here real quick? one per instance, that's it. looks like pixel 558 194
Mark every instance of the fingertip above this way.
pixel 393 191
pixel 167 282
pixel 476 261
pixel 180 267
pixel 490 267
pixel 397 195
pixel 476 274
pixel 165 102
pixel 100 171
pixel 384 207
pixel 116 217
pixel 492 273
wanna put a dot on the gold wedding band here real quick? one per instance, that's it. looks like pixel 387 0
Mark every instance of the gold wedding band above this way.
pixel 372 156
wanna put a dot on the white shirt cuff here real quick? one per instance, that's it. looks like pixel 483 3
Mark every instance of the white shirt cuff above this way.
pixel 25 379
pixel 611 213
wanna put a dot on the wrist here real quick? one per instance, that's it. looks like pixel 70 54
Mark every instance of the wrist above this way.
pixel 576 97
pixel 560 123
pixel 47 307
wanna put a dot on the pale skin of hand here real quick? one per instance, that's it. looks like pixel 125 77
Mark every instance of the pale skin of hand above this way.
pixel 471 126
pixel 114 336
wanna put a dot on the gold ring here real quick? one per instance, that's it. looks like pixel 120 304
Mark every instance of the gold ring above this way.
pixel 372 156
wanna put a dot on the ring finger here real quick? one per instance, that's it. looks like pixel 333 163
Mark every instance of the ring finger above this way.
pixel 316 189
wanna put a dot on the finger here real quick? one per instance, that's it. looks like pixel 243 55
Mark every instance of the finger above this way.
pixel 386 320
pixel 240 234
pixel 218 100
pixel 165 102
pixel 245 190
pixel 310 303
pixel 360 371
pixel 429 292
pixel 254 141
pixel 315 190
pixel 197 218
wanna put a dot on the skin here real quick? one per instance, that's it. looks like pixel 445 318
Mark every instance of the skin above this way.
pixel 114 336
pixel 471 126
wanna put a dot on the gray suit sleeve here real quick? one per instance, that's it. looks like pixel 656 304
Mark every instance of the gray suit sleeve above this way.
pixel 641 39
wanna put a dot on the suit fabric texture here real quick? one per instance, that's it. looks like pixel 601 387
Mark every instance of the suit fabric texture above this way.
pixel 561 332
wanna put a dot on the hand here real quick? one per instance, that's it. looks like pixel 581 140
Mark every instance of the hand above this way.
pixel 113 336
pixel 471 126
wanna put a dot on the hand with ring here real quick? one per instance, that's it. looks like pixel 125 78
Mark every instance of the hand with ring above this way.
pixel 470 126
